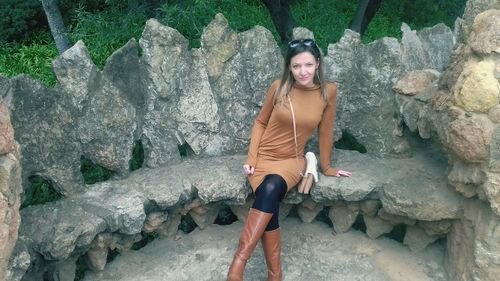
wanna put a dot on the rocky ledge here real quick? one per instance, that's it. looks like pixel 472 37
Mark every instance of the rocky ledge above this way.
pixel 112 214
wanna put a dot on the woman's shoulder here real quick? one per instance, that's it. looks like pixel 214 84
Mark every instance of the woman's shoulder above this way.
pixel 330 86
pixel 275 83
pixel 274 86
pixel 331 89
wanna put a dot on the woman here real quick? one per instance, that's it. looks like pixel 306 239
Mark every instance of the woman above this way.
pixel 273 165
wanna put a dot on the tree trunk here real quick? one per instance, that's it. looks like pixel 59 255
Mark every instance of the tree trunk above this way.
pixel 56 25
pixel 364 14
pixel 281 15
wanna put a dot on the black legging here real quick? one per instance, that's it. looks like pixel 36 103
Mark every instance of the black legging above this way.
pixel 268 197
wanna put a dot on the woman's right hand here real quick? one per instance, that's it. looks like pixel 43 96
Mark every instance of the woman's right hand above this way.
pixel 248 170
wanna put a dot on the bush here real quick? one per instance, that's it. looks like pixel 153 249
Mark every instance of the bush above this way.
pixel 189 17
pixel 106 25
pixel 35 60
pixel 92 172
pixel 18 18
pixel 40 191
pixel 103 32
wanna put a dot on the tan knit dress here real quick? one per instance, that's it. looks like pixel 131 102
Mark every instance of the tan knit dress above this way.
pixel 272 145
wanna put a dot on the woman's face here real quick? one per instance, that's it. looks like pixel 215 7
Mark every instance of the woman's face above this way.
pixel 303 67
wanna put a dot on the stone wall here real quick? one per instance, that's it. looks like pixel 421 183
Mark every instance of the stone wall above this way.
pixel 204 100
pixel 460 109
pixel 10 187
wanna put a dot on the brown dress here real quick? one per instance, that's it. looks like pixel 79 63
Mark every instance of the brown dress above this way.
pixel 272 145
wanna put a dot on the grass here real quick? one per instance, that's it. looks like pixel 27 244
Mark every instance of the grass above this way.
pixel 39 191
pixel 104 31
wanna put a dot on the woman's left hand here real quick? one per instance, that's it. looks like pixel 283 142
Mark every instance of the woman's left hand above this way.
pixel 343 173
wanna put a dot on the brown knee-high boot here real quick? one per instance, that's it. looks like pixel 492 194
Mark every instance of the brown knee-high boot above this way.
pixel 271 242
pixel 250 235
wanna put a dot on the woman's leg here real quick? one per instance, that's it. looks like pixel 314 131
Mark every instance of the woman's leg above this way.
pixel 267 199
pixel 258 220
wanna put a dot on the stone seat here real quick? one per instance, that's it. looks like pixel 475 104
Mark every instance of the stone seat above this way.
pixel 68 228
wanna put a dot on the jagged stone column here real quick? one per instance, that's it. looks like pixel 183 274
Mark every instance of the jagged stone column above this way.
pixel 10 188
pixel 474 242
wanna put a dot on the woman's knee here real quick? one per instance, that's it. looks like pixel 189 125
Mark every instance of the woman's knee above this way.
pixel 274 186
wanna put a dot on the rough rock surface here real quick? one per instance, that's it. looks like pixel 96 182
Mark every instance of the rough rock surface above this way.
pixel 310 252
pixel 10 187
pixel 122 207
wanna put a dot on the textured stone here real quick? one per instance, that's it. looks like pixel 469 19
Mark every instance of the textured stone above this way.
pixel 372 120
pixel 219 43
pixel 494 160
pixel 6 130
pixel 429 48
pixel 75 72
pixel 417 239
pixel 308 210
pixel 19 263
pixel 376 226
pixel 370 207
pixel 10 200
pixel 48 146
pixel 309 252
pixel 422 193
pixel 466 177
pixel 491 189
pixel 472 9
pixel 111 149
pixel 205 215
pixel 494 114
pixel 469 138
pixel 355 188
pixel 485 35
pixel 170 227
pixel 395 219
pixel 431 228
pixel 342 216
pixel 154 221
pixel 162 47
pixel 473 244
pixel 415 82
pixel 61 228
pixel 96 256
pixel 477 89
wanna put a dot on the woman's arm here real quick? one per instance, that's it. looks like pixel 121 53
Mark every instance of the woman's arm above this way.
pixel 260 124
pixel 325 131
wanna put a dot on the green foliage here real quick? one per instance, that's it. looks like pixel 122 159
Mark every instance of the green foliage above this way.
pixel 137 156
pixel 106 25
pixel 17 18
pixel 35 60
pixel 187 224
pixel 326 19
pixel 92 172
pixel 40 191
pixel 417 14
pixel 103 32
pixel 189 17
pixel 225 216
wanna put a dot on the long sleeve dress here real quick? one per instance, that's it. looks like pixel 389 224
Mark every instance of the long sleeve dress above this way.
pixel 272 145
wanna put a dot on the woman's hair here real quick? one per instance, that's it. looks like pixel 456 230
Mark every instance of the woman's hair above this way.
pixel 294 48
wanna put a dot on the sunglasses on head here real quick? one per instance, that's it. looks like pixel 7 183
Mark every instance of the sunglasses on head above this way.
pixel 305 42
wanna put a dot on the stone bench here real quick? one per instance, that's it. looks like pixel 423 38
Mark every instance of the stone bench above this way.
pixel 112 214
